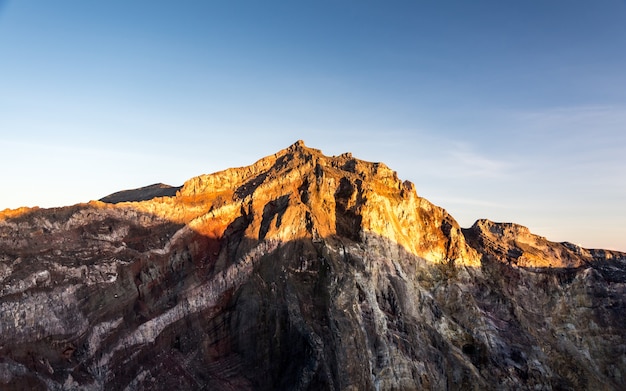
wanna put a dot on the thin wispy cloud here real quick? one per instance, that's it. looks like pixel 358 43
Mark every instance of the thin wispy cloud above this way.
pixel 593 123
pixel 560 115
pixel 590 139
pixel 471 163
pixel 463 201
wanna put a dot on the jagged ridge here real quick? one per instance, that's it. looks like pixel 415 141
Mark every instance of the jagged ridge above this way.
pixel 300 271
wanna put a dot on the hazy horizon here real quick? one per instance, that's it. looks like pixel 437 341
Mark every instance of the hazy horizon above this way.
pixel 513 112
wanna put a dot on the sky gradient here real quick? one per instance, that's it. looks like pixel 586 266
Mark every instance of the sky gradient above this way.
pixel 512 111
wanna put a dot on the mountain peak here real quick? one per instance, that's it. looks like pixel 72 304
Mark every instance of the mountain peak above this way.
pixel 300 192
pixel 299 271
pixel 298 144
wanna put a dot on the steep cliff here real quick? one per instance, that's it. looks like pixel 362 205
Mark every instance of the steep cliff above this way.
pixel 300 272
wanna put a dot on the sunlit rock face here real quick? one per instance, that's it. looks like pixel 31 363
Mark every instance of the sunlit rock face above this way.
pixel 300 272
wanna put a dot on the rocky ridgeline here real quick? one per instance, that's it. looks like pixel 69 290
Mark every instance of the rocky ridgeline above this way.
pixel 300 271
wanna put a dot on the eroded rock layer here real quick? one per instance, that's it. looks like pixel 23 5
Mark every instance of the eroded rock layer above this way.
pixel 300 272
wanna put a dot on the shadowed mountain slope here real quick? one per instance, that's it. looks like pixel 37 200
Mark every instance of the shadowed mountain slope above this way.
pixel 141 194
pixel 300 272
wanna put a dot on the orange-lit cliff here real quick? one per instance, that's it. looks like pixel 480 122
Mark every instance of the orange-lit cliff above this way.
pixel 301 271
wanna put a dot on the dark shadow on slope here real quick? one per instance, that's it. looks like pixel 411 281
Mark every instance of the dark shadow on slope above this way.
pixel 348 220
pixel 326 315
pixel 249 187
pixel 273 212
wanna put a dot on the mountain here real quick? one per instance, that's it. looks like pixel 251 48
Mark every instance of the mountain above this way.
pixel 300 272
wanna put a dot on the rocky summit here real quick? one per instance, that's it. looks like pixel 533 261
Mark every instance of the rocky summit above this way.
pixel 300 272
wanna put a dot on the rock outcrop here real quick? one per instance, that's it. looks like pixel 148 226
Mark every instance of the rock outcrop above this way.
pixel 300 272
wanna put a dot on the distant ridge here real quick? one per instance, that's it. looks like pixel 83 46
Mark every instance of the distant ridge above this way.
pixel 142 194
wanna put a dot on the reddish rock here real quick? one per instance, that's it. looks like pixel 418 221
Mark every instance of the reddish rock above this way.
pixel 301 271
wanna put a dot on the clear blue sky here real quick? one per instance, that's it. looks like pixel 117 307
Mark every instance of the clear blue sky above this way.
pixel 507 110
